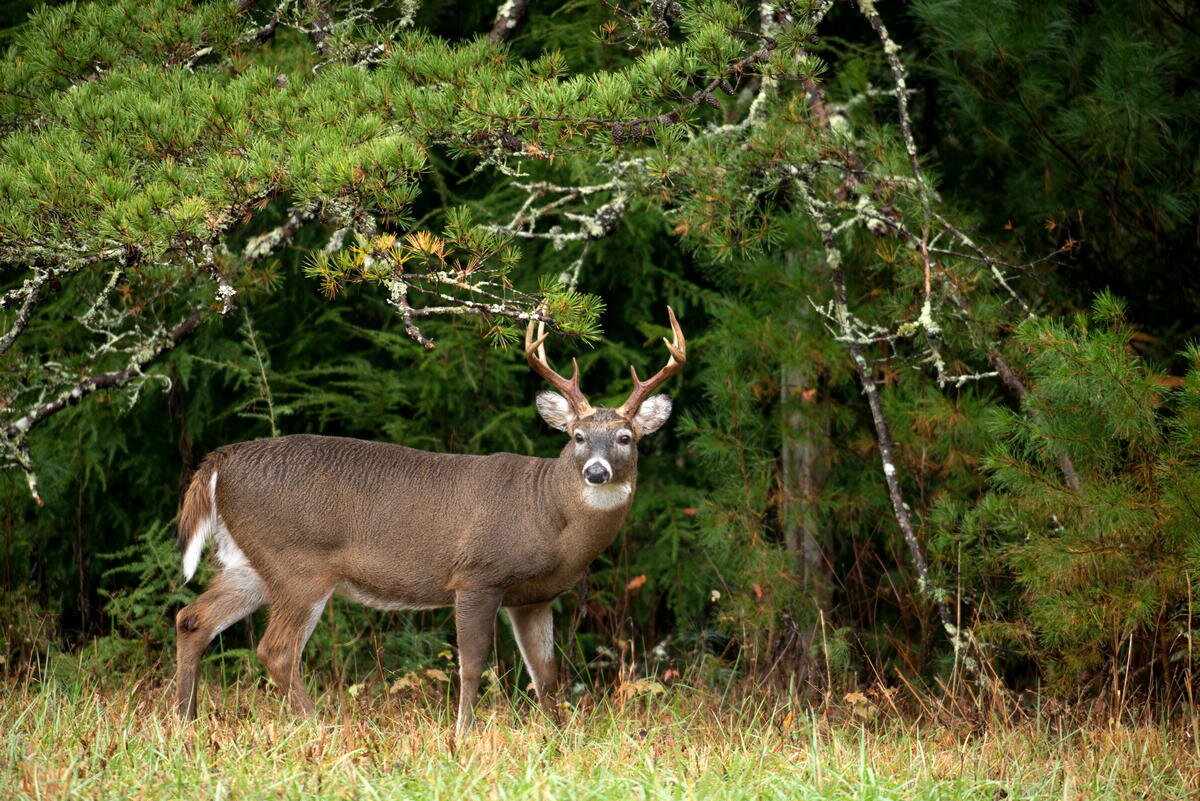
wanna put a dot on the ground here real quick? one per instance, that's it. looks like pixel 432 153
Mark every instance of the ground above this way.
pixel 87 740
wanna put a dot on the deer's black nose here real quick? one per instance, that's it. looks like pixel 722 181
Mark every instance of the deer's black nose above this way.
pixel 596 473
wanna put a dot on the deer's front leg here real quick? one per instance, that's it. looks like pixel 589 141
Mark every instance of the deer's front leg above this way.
pixel 474 619
pixel 533 627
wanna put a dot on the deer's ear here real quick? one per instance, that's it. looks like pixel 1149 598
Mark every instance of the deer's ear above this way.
pixel 653 413
pixel 555 410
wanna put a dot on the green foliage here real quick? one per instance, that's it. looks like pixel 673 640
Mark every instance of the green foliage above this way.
pixel 331 195
pixel 1103 572
pixel 1079 121
pixel 147 572
pixel 60 44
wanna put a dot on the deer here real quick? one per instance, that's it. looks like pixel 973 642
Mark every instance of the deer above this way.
pixel 297 519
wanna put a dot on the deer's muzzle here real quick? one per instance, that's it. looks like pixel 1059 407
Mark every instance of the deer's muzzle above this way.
pixel 597 471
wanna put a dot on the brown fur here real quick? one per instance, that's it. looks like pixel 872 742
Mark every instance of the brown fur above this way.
pixel 303 517
pixel 395 526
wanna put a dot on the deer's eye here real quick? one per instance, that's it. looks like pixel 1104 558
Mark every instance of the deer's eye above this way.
pixel 579 437
pixel 624 439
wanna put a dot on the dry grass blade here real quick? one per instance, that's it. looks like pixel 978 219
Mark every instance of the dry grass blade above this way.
pixel 74 742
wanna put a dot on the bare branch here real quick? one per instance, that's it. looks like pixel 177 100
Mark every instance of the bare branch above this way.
pixel 959 637
pixel 22 318
pixel 113 279
pixel 265 244
pixel 507 17
pixel 321 24
pixel 13 436
pixel 596 225
pixel 152 350
pixel 63 263
pixel 398 297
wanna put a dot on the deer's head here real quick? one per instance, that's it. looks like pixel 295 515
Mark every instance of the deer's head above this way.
pixel 604 441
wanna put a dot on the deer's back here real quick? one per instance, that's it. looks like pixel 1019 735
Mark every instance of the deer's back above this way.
pixel 389 525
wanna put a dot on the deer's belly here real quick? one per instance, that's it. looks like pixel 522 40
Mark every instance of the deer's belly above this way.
pixel 391 601
pixel 541 589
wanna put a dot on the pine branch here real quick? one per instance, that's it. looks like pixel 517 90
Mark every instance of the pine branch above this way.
pixel 635 128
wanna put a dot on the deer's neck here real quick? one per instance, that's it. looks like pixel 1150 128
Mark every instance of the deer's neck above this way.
pixel 588 516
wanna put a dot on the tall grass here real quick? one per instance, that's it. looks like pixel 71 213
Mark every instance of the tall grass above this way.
pixel 91 740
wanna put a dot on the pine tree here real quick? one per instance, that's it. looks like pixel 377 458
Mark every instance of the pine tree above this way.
pixel 1104 573
pixel 1071 121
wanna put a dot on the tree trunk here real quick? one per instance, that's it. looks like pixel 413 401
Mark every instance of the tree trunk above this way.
pixel 805 468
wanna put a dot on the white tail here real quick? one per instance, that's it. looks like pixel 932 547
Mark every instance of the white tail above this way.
pixel 210 527
pixel 193 541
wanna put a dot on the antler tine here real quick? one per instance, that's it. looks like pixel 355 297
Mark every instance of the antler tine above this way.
pixel 535 354
pixel 643 389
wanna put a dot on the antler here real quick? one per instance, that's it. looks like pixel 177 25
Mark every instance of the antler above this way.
pixel 535 354
pixel 643 390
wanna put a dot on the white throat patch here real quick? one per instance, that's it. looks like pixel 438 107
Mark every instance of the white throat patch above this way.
pixel 606 497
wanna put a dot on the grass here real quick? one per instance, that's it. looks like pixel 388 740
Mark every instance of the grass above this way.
pixel 85 740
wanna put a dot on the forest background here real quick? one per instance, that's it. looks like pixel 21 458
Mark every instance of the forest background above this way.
pixel 940 424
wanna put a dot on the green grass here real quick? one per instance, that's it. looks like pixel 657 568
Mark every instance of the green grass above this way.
pixel 74 740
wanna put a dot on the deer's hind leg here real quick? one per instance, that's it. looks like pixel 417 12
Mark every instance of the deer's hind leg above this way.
pixel 233 594
pixel 293 618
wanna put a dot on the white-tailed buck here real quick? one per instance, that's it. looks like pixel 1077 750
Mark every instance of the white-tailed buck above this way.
pixel 299 518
